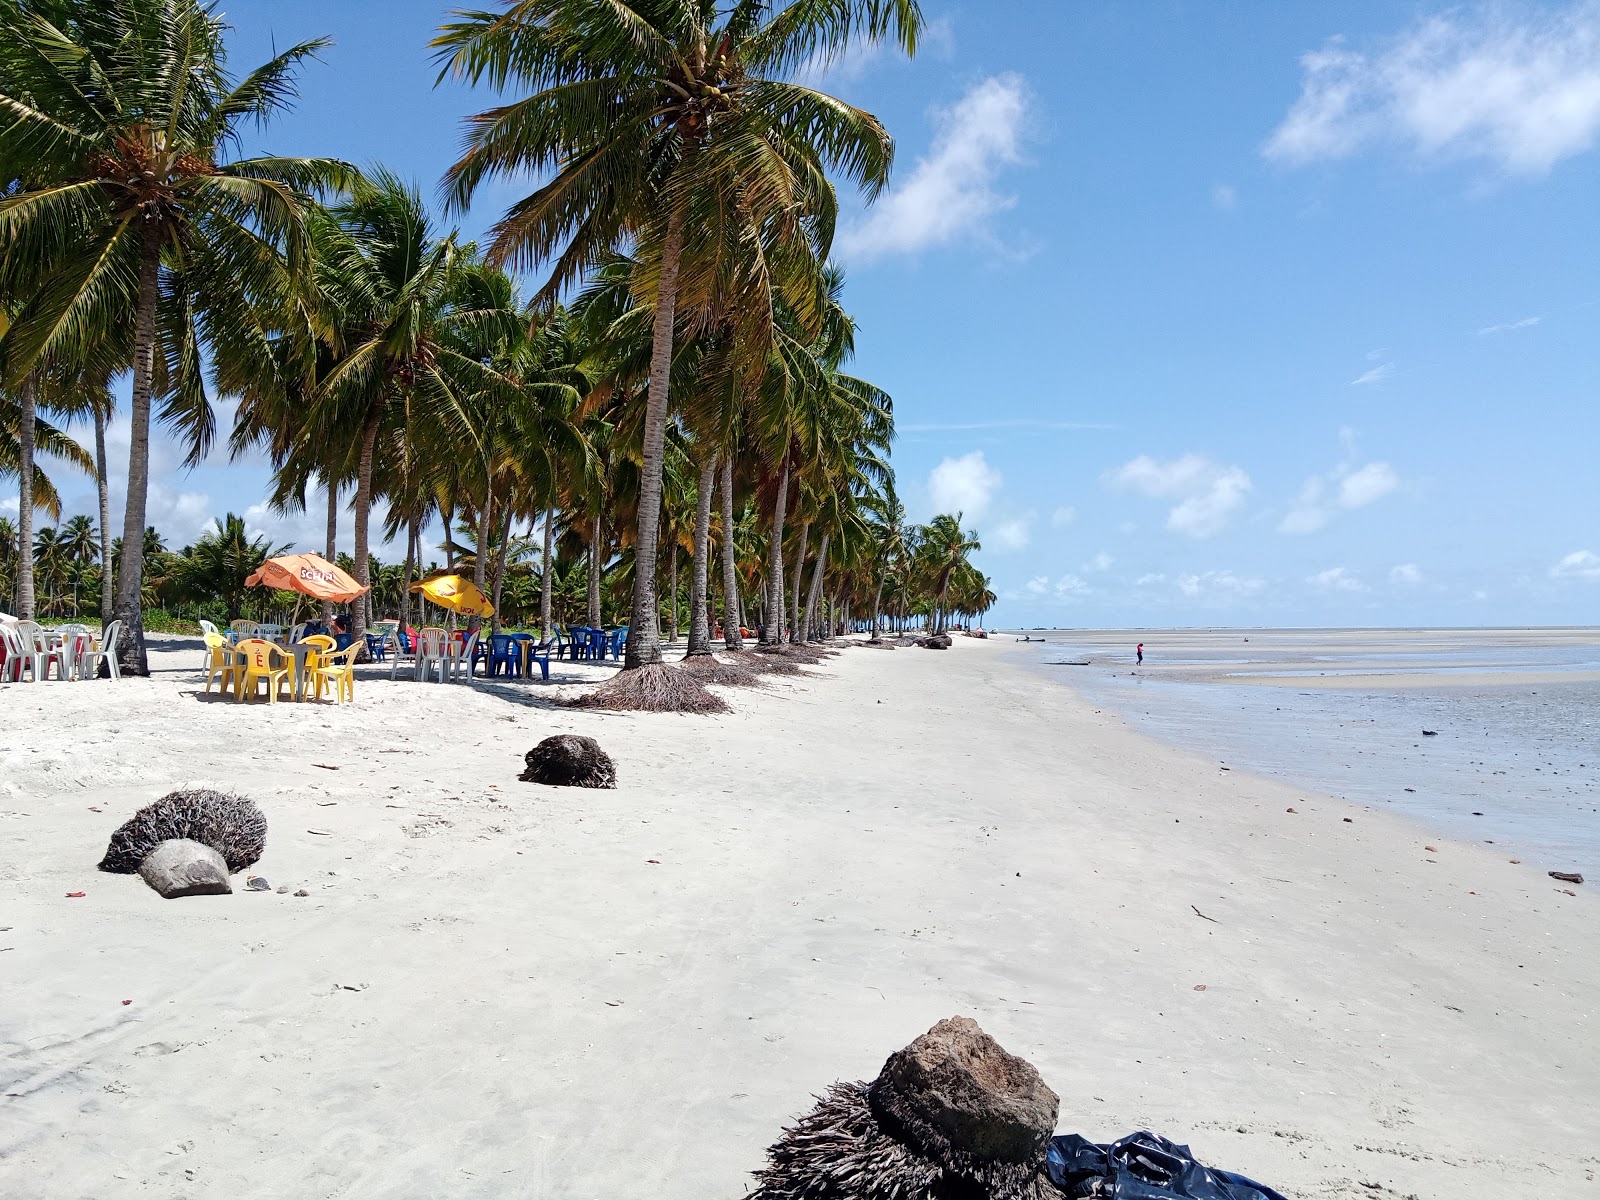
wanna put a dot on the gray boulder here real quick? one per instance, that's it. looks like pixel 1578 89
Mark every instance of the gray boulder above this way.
pixel 180 867
pixel 570 760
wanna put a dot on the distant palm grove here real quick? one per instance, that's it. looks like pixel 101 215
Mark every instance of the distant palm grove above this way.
pixel 631 404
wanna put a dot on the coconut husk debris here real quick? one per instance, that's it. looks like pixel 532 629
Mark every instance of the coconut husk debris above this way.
pixel 569 760
pixel 725 672
pixel 953 1116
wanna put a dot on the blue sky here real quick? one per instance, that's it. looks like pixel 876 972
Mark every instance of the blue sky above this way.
pixel 1203 313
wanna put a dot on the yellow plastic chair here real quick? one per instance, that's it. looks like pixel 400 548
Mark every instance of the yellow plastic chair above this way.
pixel 340 670
pixel 220 663
pixel 314 660
pixel 262 660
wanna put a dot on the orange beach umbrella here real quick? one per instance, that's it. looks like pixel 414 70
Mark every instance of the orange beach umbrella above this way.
pixel 310 575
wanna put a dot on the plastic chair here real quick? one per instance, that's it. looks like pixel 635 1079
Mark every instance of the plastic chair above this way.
pixel 338 669
pixel 503 652
pixel 531 653
pixel 323 648
pixel 619 640
pixel 431 652
pixel 12 656
pixel 401 647
pixel 269 633
pixel 238 631
pixel 220 662
pixel 464 659
pixel 90 656
pixel 35 647
pixel 263 660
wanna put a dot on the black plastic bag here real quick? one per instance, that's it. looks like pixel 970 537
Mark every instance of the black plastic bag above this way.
pixel 1143 1166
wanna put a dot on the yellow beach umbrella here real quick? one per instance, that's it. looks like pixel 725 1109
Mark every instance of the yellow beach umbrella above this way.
pixel 457 594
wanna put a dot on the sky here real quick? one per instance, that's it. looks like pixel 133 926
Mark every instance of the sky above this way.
pixel 1200 312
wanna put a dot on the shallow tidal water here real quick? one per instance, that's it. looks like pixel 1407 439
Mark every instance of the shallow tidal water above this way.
pixel 1512 762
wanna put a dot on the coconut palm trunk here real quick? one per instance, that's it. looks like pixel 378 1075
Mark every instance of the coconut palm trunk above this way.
pixel 480 561
pixel 103 486
pixel 332 541
pixel 30 407
pixel 594 576
pixel 672 587
pixel 772 627
pixel 408 572
pixel 500 570
pixel 544 574
pixel 369 441
pixel 130 578
pixel 816 588
pixel 699 622
pixel 877 609
pixel 731 617
pixel 644 644
pixel 796 633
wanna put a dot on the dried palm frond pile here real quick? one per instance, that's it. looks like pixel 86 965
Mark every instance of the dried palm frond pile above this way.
pixel 231 825
pixel 953 1116
pixel 729 672
pixel 654 688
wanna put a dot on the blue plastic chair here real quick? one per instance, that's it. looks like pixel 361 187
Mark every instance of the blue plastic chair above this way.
pixel 503 652
pixel 541 654
pixel 619 640
pixel 377 647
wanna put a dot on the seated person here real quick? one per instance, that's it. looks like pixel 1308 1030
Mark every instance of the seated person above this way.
pixel 341 632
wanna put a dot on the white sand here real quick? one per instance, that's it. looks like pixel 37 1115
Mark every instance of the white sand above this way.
pixel 540 1011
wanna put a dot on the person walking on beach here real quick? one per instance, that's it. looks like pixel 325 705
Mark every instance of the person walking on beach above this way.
pixel 1139 651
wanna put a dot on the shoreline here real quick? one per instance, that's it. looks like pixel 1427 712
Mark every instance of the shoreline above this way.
pixel 845 859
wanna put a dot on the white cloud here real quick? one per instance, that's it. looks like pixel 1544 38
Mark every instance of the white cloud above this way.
pixel 1525 323
pixel 1208 493
pixel 1071 585
pixel 1517 86
pixel 1100 562
pixel 964 485
pixel 1373 375
pixel 951 191
pixel 1366 484
pixel 1406 575
pixel 1580 564
pixel 1012 534
pixel 1215 585
pixel 1224 198
pixel 1038 585
pixel 1063 516
pixel 1347 487
pixel 1336 579
pixel 1149 580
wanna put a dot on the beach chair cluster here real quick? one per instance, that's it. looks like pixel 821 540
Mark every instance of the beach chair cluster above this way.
pixel 30 651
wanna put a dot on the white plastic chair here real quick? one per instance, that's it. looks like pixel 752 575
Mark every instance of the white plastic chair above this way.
pixel 106 652
pixel 395 649
pixel 35 647
pixel 269 633
pixel 462 666
pixel 431 653
pixel 16 657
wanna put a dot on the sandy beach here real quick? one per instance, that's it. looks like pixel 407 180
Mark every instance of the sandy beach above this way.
pixel 497 989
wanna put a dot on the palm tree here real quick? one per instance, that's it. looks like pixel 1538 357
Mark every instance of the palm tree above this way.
pixel 670 127
pixel 944 547
pixel 218 564
pixel 400 298
pixel 121 205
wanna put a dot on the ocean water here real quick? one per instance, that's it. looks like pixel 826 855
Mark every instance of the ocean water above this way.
pixel 1514 758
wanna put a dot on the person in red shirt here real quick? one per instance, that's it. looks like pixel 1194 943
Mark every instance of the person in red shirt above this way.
pixel 1139 650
